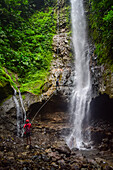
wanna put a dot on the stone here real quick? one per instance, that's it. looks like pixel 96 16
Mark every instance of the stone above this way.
pixel 34 157
pixel 54 164
pixel 75 167
pixel 45 158
pixel 63 150
pixel 37 147
pixel 61 163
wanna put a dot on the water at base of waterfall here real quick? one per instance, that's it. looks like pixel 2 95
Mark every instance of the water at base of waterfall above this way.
pixel 81 95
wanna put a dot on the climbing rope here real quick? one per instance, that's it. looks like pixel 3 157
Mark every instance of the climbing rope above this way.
pixel 42 106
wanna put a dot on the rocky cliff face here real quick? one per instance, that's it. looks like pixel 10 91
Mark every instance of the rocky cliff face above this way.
pixel 102 76
pixel 102 89
pixel 106 85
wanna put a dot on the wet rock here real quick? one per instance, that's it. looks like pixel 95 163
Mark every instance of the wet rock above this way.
pixel 74 150
pixel 103 147
pixel 34 157
pixel 75 167
pixel 53 168
pixel 62 163
pixel 48 150
pixel 54 155
pixel 37 147
pixel 45 158
pixel 54 165
pixel 63 150
pixel 1 148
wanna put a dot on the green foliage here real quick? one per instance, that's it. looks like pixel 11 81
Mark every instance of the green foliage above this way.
pixel 23 97
pixel 68 17
pixel 30 46
pixel 101 23
pixel 26 40
pixel 34 82
pixel 5 78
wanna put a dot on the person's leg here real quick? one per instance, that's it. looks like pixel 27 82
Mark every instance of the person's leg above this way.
pixel 30 140
pixel 56 88
pixel 27 140
pixel 27 136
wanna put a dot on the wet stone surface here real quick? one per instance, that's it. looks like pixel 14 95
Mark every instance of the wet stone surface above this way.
pixel 49 149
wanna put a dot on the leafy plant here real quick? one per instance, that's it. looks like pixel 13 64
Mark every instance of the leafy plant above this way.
pixel 26 40
pixel 101 23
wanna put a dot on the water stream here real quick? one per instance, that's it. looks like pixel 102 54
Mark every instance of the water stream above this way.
pixel 82 90
pixel 22 105
pixel 20 112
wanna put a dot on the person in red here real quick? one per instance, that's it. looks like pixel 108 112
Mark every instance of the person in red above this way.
pixel 27 132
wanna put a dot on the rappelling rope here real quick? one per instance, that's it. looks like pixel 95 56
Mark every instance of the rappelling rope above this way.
pixel 42 107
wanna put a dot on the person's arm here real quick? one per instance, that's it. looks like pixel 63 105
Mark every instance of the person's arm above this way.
pixel 24 129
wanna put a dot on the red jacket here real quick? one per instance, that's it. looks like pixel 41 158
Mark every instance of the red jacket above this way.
pixel 27 127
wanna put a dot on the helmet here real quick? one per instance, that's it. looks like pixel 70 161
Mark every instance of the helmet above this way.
pixel 27 120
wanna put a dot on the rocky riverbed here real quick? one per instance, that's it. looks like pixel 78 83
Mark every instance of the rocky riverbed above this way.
pixel 49 149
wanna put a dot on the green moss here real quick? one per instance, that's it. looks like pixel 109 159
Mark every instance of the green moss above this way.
pixel 6 79
pixel 69 34
pixel 101 29
pixel 34 82
pixel 23 97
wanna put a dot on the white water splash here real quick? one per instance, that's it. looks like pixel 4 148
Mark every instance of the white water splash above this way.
pixel 82 91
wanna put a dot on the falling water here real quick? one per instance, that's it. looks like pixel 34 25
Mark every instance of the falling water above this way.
pixel 82 91
pixel 24 113
pixel 21 101
pixel 20 112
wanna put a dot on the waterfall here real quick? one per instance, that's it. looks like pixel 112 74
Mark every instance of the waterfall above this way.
pixel 81 95
pixel 21 101
pixel 20 112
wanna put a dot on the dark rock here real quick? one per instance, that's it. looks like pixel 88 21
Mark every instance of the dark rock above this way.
pixel 53 168
pixel 45 158
pixel 5 92
pixel 34 157
pixel 64 150
pixel 54 165
pixel 75 167
pixel 61 162
pixel 103 147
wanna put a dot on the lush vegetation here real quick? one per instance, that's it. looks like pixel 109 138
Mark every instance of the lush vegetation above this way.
pixel 6 78
pixel 26 31
pixel 101 23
